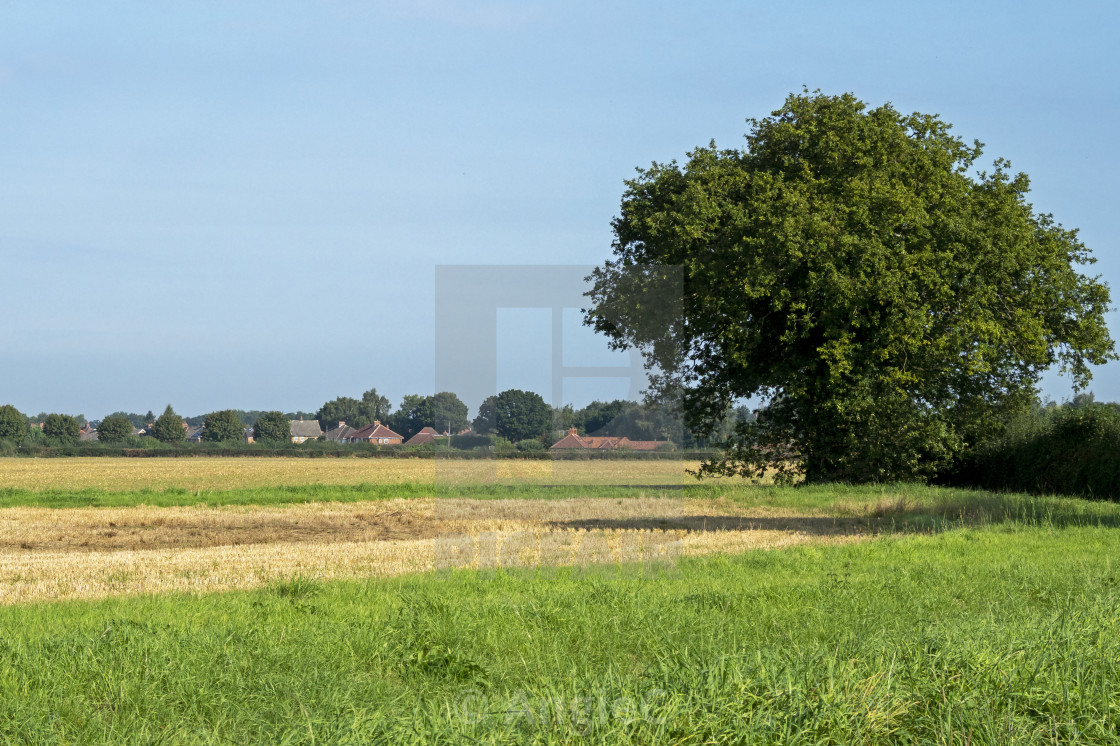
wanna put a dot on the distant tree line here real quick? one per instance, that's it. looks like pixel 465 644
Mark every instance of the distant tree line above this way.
pixel 515 416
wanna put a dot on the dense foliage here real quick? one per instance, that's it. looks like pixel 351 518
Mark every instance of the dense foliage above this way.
pixel 514 415
pixel 13 425
pixel 114 429
pixel 64 428
pixel 1069 450
pixel 630 419
pixel 223 426
pixel 168 427
pixel 272 427
pixel 443 411
pixel 355 412
pixel 846 267
pixel 137 420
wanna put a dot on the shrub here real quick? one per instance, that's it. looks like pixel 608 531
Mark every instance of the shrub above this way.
pixel 1067 450
pixel 529 445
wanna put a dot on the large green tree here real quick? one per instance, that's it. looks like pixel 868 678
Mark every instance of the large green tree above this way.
pixel 13 425
pixel 223 426
pixel 272 427
pixel 849 267
pixel 168 427
pixel 64 428
pixel 114 428
pixel 515 415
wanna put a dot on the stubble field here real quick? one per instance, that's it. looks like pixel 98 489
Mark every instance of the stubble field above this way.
pixel 55 553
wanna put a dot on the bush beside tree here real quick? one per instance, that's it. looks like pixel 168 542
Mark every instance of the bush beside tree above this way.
pixel 1069 450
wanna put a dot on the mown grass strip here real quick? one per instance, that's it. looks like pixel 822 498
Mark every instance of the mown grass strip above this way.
pixel 1006 635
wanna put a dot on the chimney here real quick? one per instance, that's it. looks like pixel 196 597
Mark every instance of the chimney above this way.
pixel 342 423
pixel 572 431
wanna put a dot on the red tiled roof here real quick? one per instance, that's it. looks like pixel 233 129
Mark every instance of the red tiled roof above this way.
pixel 374 432
pixel 571 440
pixel 609 442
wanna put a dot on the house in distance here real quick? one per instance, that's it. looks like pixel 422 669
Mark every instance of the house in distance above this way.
pixel 377 434
pixel 573 440
pixel 425 436
pixel 305 430
pixel 341 433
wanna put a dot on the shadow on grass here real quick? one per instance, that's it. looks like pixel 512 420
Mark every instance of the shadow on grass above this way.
pixel 921 511
pixel 813 525
pixel 943 509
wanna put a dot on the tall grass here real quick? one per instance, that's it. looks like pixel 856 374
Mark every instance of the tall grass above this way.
pixel 1009 634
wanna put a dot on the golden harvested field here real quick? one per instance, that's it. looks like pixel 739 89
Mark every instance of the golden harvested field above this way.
pixel 127 474
pixel 56 553
pixel 48 554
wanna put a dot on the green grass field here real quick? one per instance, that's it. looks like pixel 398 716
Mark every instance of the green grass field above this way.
pixel 960 617
pixel 1006 634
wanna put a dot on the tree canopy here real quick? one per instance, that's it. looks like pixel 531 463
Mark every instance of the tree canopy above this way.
pixel 168 427
pixel 13 424
pixel 62 427
pixel 515 415
pixel 631 419
pixel 437 411
pixel 223 426
pixel 272 427
pixel 114 428
pixel 355 412
pixel 849 268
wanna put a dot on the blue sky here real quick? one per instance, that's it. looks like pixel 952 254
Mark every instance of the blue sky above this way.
pixel 243 204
